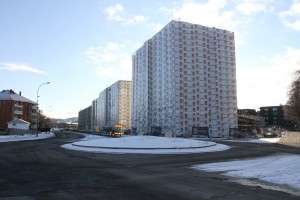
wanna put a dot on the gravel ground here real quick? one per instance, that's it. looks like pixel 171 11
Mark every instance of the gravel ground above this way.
pixel 291 139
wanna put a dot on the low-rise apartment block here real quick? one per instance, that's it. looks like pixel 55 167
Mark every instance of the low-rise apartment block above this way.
pixel 276 116
pixel 15 106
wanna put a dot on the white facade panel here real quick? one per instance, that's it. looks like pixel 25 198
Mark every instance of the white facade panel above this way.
pixel 184 77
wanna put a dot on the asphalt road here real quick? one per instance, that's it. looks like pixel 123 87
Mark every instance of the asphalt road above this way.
pixel 43 170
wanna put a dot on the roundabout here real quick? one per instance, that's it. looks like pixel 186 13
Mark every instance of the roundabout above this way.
pixel 145 145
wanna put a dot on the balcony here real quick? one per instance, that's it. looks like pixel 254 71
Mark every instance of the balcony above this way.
pixel 18 106
pixel 18 112
pixel 34 107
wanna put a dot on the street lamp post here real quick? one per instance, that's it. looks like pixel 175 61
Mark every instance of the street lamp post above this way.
pixel 37 109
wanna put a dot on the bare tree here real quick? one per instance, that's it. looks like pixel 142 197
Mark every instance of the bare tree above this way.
pixel 44 122
pixel 293 103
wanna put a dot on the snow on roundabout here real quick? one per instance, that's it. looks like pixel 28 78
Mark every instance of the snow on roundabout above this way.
pixel 145 145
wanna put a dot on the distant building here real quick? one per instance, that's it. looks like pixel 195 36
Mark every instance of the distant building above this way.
pixel 84 119
pixel 94 114
pixel 15 106
pixel 275 116
pixel 249 119
pixel 114 105
pixel 70 125
pixel 247 112
pixel 184 81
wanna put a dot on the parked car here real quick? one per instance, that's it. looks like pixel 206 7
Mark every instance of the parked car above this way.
pixel 57 130
pixel 271 135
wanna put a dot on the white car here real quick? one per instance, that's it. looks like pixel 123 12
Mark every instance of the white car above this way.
pixel 57 129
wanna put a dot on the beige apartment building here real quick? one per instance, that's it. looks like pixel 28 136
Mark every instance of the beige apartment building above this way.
pixel 114 105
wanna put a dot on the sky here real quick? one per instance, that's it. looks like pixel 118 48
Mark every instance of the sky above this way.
pixel 82 47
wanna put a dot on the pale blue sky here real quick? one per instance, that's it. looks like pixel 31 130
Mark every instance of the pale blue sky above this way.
pixel 82 47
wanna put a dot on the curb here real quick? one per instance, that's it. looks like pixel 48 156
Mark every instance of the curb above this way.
pixel 128 148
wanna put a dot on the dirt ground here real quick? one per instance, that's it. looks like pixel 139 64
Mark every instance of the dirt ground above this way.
pixel 291 139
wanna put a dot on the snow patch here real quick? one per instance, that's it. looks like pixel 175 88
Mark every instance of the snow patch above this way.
pixel 280 169
pixel 15 138
pixel 260 140
pixel 145 145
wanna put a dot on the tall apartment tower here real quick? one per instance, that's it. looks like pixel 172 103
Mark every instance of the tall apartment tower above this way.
pixel 184 81
pixel 94 114
pixel 114 105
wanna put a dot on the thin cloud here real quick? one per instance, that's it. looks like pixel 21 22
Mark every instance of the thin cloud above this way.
pixel 117 13
pixel 217 13
pixel 19 67
pixel 251 7
pixel 113 12
pixel 136 19
pixel 270 81
pixel 111 60
pixel 288 61
pixel 211 13
pixel 291 17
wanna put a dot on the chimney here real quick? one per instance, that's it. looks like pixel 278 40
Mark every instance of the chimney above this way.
pixel 20 94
